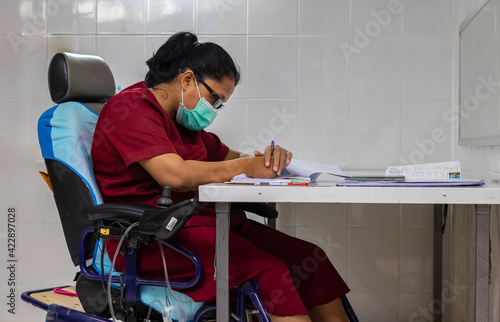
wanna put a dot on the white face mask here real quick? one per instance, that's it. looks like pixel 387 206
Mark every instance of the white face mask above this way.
pixel 200 117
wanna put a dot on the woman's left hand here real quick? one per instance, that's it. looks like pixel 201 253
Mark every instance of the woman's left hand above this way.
pixel 278 158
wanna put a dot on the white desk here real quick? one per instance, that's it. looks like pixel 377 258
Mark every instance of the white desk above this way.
pixel 327 192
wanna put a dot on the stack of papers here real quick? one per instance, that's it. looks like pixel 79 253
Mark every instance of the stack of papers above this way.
pixel 427 171
pixel 279 181
pixel 412 183
pixel 300 172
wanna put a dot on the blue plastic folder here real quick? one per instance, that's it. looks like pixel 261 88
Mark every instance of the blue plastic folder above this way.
pixel 412 183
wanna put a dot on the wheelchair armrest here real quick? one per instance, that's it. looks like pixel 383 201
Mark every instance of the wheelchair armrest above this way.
pixel 260 209
pixel 163 222
pixel 115 211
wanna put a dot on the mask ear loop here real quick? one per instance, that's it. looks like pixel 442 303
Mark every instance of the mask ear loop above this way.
pixel 197 87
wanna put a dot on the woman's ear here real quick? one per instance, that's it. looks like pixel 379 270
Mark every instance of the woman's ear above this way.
pixel 187 79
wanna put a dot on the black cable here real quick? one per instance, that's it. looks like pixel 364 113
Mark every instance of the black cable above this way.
pixel 103 283
pixel 445 215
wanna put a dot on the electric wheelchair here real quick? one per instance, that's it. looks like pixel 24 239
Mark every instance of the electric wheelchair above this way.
pixel 80 85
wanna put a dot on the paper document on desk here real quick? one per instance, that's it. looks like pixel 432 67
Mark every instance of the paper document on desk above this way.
pixel 279 181
pixel 313 170
pixel 427 171
pixel 441 174
pixel 413 183
pixel 297 171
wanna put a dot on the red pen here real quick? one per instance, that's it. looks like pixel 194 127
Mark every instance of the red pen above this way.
pixel 298 184
pixel 61 291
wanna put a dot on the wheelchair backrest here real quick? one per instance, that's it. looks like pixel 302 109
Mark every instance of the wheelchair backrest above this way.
pixel 65 134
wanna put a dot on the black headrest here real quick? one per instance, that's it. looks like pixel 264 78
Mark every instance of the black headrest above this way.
pixel 80 78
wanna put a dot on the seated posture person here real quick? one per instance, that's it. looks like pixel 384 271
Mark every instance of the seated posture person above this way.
pixel 152 134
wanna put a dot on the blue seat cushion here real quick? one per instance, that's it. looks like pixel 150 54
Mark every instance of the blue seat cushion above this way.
pixel 151 293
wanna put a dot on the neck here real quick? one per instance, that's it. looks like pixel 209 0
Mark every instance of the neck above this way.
pixel 168 103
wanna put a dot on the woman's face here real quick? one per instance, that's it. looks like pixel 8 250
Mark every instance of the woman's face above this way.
pixel 223 90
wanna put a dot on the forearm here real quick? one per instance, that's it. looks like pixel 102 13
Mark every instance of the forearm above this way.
pixel 181 175
pixel 233 154
pixel 198 173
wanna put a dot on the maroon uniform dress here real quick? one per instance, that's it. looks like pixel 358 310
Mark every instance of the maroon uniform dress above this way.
pixel 293 275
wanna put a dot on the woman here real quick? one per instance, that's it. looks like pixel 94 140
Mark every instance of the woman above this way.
pixel 152 134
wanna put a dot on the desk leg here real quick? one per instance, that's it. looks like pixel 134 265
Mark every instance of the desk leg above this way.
pixel 438 259
pixel 222 260
pixel 482 262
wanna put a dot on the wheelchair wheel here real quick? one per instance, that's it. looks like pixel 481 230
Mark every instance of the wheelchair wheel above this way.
pixel 206 313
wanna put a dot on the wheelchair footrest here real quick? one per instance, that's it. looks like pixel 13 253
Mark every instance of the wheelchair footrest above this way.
pixel 46 297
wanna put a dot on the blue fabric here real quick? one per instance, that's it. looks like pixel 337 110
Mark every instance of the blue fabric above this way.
pixel 151 293
pixel 65 134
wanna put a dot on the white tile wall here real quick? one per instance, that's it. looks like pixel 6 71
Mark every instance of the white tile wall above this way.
pixel 269 120
pixel 72 17
pixel 324 17
pixel 335 81
pixel 427 17
pixel 73 44
pixel 381 59
pixel 377 17
pixel 122 53
pixel 169 16
pixel 222 17
pixel 320 58
pixel 378 271
pixel 272 17
pixel 373 127
pixel 277 79
pixel 23 18
pixel 22 64
pixel 374 215
pixel 322 123
pixel 415 260
pixel 121 16
pixel 426 71
pixel 234 133
pixel 425 139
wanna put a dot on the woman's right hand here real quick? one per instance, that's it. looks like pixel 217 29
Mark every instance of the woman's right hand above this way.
pixel 260 170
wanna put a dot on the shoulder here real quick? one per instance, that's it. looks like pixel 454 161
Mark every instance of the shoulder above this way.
pixel 133 100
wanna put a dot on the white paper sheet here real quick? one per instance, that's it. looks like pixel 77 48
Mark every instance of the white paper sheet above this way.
pixel 279 181
pixel 313 169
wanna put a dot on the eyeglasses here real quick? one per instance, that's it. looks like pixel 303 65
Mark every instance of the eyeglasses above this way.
pixel 217 104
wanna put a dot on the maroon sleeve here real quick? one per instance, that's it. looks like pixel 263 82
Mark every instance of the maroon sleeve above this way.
pixel 217 151
pixel 136 128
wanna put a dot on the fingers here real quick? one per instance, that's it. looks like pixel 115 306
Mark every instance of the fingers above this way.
pixel 268 153
pixel 276 157
pixel 257 153
pixel 280 159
